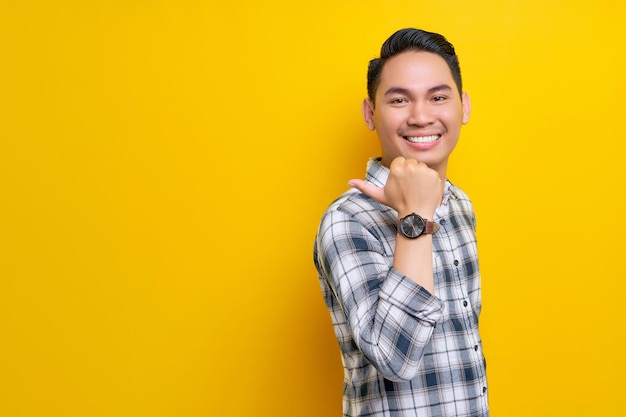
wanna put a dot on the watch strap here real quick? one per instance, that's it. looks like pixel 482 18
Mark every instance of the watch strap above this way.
pixel 431 227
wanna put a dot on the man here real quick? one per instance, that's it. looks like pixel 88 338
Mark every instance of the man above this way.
pixel 396 255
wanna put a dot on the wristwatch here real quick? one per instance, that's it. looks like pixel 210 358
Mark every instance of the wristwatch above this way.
pixel 414 225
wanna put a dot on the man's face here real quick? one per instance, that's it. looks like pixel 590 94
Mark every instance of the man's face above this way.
pixel 418 111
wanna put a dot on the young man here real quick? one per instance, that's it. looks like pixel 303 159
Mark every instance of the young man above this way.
pixel 396 255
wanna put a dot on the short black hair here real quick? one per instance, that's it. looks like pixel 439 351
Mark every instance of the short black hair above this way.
pixel 410 39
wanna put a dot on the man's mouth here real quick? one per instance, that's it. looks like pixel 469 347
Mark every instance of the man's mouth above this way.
pixel 422 139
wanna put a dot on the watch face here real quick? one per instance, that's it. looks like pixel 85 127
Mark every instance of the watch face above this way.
pixel 412 226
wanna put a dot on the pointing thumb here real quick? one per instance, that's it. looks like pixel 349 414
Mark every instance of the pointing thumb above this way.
pixel 366 188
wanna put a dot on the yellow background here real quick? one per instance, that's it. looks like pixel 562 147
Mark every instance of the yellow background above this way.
pixel 164 165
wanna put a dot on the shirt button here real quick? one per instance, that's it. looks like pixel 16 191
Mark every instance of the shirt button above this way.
pixel 442 222
pixel 464 303
pixel 484 390
pixel 456 263
pixel 476 348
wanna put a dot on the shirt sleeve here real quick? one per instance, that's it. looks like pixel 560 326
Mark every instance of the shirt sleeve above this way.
pixel 391 318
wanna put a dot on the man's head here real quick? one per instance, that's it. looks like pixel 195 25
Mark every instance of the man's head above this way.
pixel 412 40
pixel 416 103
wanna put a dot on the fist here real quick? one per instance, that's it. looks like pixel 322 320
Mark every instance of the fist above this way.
pixel 412 187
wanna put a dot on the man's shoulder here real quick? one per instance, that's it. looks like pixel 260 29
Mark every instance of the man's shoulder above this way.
pixel 457 194
pixel 349 200
pixel 353 202
pixel 352 208
pixel 460 206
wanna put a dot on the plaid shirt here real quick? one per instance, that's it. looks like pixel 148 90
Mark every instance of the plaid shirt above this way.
pixel 405 352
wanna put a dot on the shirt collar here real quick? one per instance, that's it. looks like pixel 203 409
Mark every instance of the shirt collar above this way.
pixel 377 174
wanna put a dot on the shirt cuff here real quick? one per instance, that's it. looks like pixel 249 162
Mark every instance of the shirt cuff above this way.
pixel 407 295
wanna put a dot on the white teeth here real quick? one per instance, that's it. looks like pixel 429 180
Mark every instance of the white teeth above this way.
pixel 422 139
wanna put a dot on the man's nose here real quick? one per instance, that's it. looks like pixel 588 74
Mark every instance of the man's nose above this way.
pixel 421 115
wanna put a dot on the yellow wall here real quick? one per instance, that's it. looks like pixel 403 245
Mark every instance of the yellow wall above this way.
pixel 164 164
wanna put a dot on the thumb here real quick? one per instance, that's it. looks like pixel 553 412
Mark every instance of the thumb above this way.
pixel 377 193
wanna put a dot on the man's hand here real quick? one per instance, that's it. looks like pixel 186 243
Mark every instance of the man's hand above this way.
pixel 412 187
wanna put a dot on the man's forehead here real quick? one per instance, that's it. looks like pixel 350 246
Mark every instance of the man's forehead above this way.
pixel 419 66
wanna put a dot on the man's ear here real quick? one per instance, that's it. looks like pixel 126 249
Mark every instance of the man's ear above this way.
pixel 467 107
pixel 368 113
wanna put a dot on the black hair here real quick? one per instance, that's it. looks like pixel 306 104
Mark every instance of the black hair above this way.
pixel 413 40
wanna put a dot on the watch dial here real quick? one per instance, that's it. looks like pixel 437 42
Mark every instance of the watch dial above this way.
pixel 412 225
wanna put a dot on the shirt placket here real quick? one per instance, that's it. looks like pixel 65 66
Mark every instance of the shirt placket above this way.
pixel 463 305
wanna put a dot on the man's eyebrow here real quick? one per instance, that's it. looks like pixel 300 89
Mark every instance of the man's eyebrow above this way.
pixel 405 91
pixel 440 87
pixel 397 90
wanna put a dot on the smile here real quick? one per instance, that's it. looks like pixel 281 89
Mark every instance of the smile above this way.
pixel 422 139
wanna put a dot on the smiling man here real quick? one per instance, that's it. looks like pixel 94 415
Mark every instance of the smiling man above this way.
pixel 396 254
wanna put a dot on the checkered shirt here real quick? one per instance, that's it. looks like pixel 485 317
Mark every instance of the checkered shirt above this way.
pixel 404 351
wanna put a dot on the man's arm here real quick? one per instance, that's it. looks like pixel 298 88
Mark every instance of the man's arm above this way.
pixel 390 309
pixel 411 187
pixel 388 316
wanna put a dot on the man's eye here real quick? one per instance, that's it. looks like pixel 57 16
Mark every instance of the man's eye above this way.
pixel 398 100
pixel 439 98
